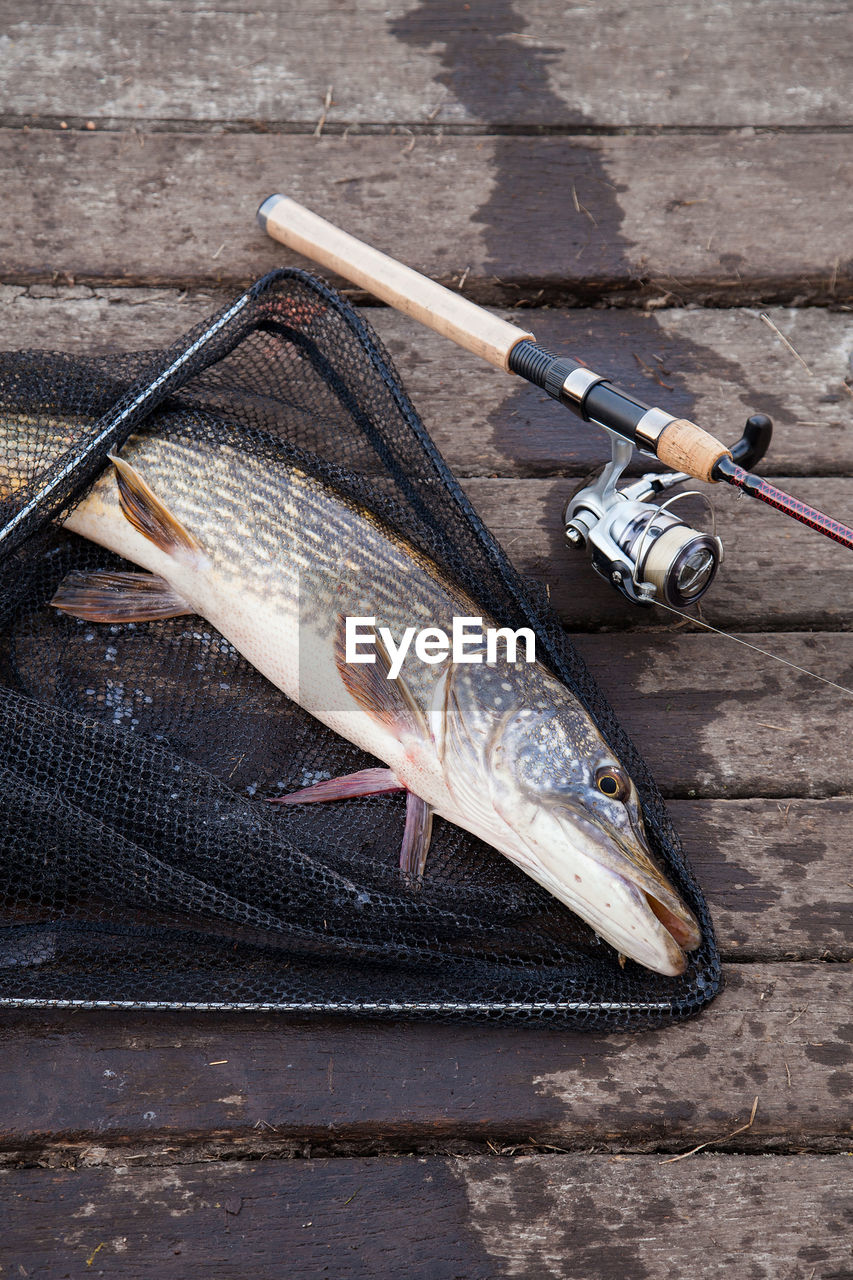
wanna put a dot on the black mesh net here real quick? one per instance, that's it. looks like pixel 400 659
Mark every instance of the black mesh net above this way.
pixel 139 862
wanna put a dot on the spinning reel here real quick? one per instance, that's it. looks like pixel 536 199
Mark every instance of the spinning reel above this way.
pixel 646 551
pixel 642 548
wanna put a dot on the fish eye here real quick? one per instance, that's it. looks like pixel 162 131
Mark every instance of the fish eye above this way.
pixel 612 783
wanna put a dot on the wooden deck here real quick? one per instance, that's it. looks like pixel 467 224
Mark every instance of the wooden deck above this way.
pixel 649 182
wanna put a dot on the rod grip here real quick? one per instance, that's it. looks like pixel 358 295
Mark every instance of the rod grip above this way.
pixel 448 313
pixel 685 447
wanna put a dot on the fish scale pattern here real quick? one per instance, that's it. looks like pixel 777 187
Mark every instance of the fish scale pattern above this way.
pixel 139 863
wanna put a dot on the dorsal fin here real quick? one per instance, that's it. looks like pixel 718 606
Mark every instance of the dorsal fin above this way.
pixel 148 515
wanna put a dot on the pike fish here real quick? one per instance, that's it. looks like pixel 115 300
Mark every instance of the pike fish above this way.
pixel 277 560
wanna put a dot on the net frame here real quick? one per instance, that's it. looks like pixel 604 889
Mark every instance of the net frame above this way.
pixel 198 382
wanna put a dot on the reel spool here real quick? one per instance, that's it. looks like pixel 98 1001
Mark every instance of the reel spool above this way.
pixel 644 550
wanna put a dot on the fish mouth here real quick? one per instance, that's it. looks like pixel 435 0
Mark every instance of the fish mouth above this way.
pixel 681 927
pixel 671 934
pixel 613 884
pixel 653 925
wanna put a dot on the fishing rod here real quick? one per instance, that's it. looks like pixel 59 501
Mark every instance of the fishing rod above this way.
pixel 645 550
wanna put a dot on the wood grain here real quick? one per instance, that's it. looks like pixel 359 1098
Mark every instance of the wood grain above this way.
pixel 767 580
pixel 489 64
pixel 775 874
pixel 668 218
pixel 713 366
pixel 576 1217
pixel 565 1216
pixel 255 1082
pixel 714 719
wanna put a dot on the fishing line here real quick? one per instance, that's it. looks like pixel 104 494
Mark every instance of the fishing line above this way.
pixel 755 648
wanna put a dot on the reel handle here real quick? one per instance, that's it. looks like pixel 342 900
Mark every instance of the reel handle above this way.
pixel 449 314
pixel 754 442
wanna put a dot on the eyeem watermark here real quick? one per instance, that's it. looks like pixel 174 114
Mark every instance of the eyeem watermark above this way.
pixel 469 641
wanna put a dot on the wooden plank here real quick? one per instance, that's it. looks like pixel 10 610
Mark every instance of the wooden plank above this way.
pixel 566 1217
pixel 602 64
pixel 669 217
pixel 714 719
pixel 254 1082
pixel 715 366
pixel 775 874
pixel 767 579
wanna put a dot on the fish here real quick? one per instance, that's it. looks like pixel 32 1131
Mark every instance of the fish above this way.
pixel 277 559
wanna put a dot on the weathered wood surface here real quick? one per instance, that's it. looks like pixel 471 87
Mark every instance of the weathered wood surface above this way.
pixel 610 154
pixel 569 1217
pixel 714 366
pixel 674 218
pixel 780 1032
pixel 714 719
pixel 775 873
pixel 537 65
pixel 767 579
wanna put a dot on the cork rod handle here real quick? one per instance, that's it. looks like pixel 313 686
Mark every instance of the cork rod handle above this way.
pixel 448 313
pixel 685 447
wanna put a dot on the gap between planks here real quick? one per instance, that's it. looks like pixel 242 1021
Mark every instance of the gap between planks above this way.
pixel 505 1150
pixel 456 129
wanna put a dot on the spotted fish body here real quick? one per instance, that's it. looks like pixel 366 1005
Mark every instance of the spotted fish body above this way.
pixel 275 559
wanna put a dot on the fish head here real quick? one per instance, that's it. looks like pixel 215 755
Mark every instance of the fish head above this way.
pixel 567 810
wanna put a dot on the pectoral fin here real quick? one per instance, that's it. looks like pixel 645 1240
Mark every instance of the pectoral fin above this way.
pixel 148 515
pixel 388 701
pixel 376 782
pixel 105 596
